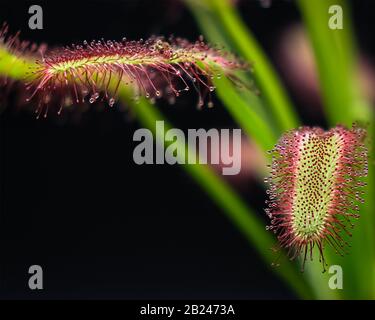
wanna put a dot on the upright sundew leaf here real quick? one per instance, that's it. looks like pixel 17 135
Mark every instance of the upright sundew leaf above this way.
pixel 315 183
pixel 153 68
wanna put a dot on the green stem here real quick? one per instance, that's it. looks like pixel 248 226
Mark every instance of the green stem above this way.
pixel 14 67
pixel 331 59
pixel 249 120
pixel 264 73
pixel 243 105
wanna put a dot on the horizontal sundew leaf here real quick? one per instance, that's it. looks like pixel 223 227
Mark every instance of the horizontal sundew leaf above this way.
pixel 95 70
pixel 314 186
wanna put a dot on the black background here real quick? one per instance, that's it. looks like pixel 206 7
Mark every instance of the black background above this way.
pixel 74 202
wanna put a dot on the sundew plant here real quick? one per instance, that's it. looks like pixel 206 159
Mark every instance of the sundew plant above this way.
pixel 319 181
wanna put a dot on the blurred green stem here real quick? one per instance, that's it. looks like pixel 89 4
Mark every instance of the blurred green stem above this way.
pixel 266 77
pixel 336 62
pixel 243 105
